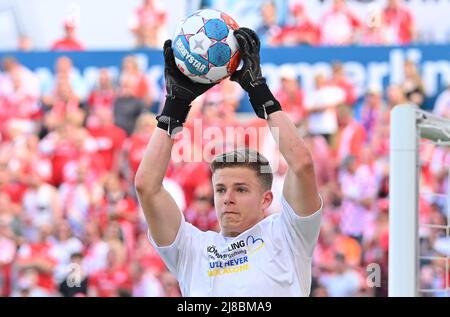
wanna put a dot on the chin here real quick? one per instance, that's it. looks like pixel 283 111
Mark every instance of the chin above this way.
pixel 231 232
pixel 228 227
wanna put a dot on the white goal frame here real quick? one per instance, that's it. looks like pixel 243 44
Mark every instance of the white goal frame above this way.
pixel 408 125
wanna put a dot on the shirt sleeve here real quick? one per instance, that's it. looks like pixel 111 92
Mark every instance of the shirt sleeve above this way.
pixel 301 232
pixel 178 255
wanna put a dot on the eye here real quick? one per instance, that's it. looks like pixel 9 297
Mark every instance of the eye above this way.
pixel 242 189
pixel 220 190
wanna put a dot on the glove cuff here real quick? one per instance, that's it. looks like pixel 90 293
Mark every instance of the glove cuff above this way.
pixel 172 126
pixel 263 101
pixel 173 115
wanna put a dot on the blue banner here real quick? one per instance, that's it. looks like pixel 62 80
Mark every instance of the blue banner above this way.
pixel 363 65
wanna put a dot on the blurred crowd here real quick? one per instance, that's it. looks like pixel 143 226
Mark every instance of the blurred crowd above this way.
pixel 393 24
pixel 70 223
pixel 337 26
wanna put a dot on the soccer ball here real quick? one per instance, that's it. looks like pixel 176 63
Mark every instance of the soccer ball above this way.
pixel 205 48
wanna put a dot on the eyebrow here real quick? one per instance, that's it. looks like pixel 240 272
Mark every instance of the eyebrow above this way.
pixel 234 184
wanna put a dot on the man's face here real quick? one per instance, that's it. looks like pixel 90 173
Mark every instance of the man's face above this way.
pixel 239 199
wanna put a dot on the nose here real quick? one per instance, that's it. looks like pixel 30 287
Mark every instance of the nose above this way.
pixel 229 197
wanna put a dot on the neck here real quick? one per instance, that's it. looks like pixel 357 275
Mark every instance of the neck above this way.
pixel 231 234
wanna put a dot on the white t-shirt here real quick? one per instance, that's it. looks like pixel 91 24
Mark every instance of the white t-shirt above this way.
pixel 273 258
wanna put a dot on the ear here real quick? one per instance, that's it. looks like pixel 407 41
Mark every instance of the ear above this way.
pixel 267 199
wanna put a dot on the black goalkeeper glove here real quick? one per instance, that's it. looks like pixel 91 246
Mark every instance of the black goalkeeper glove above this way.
pixel 181 91
pixel 250 76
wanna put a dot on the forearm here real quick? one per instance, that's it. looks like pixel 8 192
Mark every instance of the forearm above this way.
pixel 290 144
pixel 153 167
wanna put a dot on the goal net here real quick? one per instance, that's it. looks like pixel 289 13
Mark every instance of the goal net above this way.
pixel 419 204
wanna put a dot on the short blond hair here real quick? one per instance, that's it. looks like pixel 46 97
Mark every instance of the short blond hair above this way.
pixel 248 158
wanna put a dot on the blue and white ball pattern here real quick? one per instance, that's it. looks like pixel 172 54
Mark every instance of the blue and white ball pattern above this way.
pixel 204 46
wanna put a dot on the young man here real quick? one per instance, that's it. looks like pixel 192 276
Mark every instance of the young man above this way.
pixel 252 255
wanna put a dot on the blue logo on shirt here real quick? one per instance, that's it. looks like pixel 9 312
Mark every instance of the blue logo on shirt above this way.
pixel 254 244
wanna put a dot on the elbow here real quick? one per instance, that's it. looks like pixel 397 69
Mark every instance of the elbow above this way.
pixel 144 184
pixel 139 184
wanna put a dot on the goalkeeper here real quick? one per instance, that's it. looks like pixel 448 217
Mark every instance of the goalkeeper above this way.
pixel 252 255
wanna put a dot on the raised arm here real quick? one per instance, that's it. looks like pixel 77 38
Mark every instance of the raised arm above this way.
pixel 300 186
pixel 160 210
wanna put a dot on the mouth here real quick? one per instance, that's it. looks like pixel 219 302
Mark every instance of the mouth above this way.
pixel 231 212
